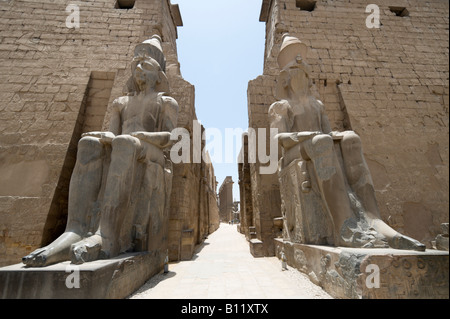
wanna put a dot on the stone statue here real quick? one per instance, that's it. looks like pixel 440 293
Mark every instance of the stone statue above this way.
pixel 326 188
pixel 120 187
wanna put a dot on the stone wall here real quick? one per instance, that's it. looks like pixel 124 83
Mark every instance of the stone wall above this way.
pixel 212 209
pixel 390 85
pixel 57 83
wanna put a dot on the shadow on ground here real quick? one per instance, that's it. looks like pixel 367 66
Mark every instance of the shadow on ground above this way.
pixel 153 282
pixel 198 250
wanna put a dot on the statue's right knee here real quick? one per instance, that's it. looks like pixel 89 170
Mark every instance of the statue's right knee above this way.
pixel 322 145
pixel 125 146
pixel 89 148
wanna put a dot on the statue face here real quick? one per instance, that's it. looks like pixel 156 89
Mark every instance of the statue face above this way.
pixel 293 80
pixel 298 79
pixel 146 73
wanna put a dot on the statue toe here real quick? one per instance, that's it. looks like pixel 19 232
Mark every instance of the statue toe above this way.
pixel 407 243
pixel 37 258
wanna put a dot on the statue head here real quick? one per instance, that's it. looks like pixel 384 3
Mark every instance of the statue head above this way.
pixel 295 72
pixel 152 48
pixel 292 49
pixel 148 68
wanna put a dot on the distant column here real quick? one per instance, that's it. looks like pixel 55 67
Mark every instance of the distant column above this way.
pixel 226 200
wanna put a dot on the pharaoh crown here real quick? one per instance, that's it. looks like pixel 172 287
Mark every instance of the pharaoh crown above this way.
pixel 291 50
pixel 152 48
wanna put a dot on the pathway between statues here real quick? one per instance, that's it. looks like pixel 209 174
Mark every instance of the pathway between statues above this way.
pixel 223 268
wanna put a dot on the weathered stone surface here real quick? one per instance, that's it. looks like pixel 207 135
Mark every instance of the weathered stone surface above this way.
pixel 349 272
pixel 115 278
pixel 442 241
pixel 444 228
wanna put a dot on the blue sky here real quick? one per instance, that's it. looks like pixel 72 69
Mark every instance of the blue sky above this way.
pixel 220 49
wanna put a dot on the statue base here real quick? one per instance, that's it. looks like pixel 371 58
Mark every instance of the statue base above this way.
pixel 114 278
pixel 356 273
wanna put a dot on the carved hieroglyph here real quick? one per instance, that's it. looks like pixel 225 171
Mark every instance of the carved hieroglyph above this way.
pixel 120 187
pixel 326 188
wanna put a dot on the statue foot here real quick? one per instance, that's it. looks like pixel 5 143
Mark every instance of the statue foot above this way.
pixel 400 241
pixel 364 239
pixel 395 239
pixel 87 250
pixel 358 233
pixel 56 252
pixel 37 258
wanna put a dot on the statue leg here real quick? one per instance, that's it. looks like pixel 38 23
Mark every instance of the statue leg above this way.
pixel 84 187
pixel 320 150
pixel 357 172
pixel 360 181
pixel 116 201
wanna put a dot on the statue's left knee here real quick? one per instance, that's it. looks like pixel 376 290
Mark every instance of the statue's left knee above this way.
pixel 351 140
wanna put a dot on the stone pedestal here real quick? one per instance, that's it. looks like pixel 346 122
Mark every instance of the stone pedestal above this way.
pixel 356 273
pixel 103 279
pixel 256 248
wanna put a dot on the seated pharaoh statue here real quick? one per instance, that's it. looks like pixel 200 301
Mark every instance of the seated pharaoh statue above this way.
pixel 120 187
pixel 327 193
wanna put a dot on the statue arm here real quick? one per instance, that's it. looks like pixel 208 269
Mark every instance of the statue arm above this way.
pixel 169 118
pixel 326 127
pixel 114 127
pixel 170 114
pixel 281 116
pixel 325 122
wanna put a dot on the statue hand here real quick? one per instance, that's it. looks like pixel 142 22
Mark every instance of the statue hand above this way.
pixel 289 140
pixel 159 139
pixel 306 135
pixel 336 135
pixel 104 137
pixel 139 135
